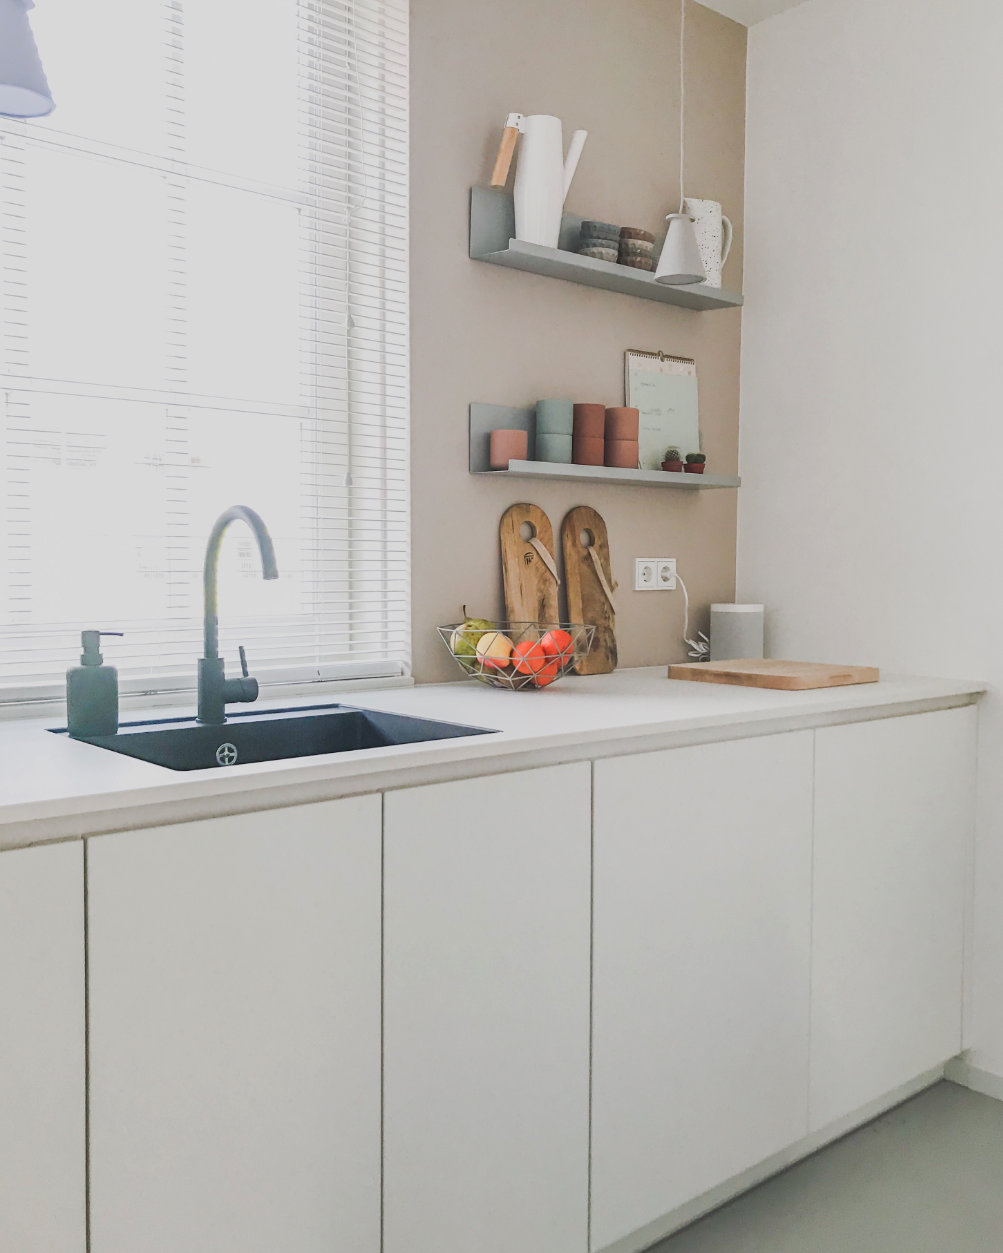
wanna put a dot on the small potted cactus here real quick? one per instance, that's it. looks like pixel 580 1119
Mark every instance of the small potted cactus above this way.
pixel 695 462
pixel 673 461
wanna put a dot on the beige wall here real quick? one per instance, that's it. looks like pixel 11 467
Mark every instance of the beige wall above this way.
pixel 483 333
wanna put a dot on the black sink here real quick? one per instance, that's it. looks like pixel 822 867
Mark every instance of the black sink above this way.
pixel 273 736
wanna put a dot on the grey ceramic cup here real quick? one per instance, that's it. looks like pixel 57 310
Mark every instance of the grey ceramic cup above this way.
pixel 553 447
pixel 555 417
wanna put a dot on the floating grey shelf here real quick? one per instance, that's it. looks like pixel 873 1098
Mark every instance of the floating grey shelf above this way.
pixel 487 418
pixel 492 227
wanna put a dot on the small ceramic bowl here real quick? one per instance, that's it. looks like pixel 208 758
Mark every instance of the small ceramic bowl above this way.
pixel 636 233
pixel 587 451
pixel 601 254
pixel 508 446
pixel 621 454
pixel 590 421
pixel 622 423
pixel 636 248
pixel 599 230
pixel 553 447
pixel 554 417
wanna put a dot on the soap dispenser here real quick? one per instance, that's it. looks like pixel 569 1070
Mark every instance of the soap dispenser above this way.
pixel 92 690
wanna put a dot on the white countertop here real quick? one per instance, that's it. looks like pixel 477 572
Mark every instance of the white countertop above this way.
pixel 54 788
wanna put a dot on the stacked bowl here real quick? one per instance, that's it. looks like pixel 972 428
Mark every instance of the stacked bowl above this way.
pixel 554 419
pixel 589 435
pixel 636 248
pixel 622 433
pixel 600 240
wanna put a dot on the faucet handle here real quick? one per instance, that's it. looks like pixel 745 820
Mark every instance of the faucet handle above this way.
pixel 243 662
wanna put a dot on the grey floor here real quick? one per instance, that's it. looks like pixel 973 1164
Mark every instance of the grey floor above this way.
pixel 925 1178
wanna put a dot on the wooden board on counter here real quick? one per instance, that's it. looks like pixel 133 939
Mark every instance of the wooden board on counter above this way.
pixel 529 571
pixel 590 586
pixel 785 676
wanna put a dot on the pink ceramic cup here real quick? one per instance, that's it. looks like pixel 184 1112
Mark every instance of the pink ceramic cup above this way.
pixel 622 423
pixel 508 446
pixel 621 454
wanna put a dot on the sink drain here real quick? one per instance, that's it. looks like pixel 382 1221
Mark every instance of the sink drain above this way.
pixel 226 754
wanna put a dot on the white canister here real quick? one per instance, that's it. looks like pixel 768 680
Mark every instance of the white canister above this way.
pixel 736 632
pixel 714 237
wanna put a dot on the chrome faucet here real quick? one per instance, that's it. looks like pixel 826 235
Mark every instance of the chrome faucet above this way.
pixel 215 689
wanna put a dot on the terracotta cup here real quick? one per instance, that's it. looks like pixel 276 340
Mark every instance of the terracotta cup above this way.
pixel 621 454
pixel 590 421
pixel 508 446
pixel 588 450
pixel 622 423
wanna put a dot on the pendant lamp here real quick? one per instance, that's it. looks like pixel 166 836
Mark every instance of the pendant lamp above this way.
pixel 23 89
pixel 680 262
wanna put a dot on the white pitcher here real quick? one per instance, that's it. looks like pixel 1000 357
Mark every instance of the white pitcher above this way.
pixel 543 176
pixel 714 237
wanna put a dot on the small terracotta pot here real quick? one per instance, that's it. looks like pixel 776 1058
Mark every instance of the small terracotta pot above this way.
pixel 621 454
pixel 508 446
pixel 673 467
pixel 590 421
pixel 587 451
pixel 622 423
pixel 694 468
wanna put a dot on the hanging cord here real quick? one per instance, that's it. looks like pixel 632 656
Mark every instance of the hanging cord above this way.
pixel 700 647
pixel 682 102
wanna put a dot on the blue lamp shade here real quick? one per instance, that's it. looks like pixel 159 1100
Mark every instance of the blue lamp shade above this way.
pixel 23 89
pixel 680 262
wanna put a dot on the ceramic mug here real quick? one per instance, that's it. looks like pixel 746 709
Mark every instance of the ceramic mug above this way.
pixel 714 237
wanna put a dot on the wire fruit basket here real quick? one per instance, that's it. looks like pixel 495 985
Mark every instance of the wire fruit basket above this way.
pixel 517 655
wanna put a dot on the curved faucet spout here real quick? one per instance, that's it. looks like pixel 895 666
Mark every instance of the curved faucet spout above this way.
pixel 210 573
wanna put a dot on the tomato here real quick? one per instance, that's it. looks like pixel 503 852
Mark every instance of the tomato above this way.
pixel 529 657
pixel 547 675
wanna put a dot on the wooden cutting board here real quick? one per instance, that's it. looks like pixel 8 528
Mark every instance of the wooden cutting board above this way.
pixel 529 571
pixel 588 600
pixel 786 676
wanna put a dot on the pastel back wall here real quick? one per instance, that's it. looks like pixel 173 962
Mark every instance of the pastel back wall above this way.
pixel 482 333
pixel 872 441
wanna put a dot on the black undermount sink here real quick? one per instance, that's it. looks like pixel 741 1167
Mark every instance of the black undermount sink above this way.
pixel 184 744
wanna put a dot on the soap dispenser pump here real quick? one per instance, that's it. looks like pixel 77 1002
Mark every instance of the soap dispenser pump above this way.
pixel 92 690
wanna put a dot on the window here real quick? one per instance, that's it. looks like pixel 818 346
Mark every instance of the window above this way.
pixel 203 257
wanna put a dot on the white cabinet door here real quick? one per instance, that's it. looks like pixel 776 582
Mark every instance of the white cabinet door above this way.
pixel 701 968
pixel 894 817
pixel 42 1035
pixel 235 1034
pixel 487 1015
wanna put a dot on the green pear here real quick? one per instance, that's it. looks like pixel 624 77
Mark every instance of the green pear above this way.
pixel 463 641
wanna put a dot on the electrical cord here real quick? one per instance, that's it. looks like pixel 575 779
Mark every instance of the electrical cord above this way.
pixel 700 647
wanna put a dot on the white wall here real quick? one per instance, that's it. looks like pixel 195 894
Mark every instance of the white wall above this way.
pixel 871 520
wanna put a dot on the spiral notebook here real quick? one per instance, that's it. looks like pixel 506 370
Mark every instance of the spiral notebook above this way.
pixel 664 390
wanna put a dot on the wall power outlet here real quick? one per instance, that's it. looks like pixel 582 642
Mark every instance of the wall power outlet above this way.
pixel 655 574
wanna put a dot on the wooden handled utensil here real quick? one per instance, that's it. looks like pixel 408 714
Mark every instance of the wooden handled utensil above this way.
pixel 506 150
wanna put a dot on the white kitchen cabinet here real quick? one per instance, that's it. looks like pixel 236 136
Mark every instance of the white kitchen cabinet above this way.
pixel 42 1043
pixel 235 1034
pixel 702 888
pixel 487 1014
pixel 894 819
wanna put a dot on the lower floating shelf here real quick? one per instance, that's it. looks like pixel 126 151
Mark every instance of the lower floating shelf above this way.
pixel 604 474
pixel 486 418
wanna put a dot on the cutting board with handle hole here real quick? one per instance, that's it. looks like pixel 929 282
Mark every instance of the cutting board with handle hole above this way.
pixel 589 579
pixel 529 571
pixel 784 676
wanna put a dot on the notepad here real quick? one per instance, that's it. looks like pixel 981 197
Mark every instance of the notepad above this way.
pixel 664 391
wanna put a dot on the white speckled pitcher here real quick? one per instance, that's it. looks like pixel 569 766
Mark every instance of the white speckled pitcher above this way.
pixel 714 237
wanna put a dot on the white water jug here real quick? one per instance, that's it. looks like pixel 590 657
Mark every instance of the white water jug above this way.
pixel 714 237
pixel 543 176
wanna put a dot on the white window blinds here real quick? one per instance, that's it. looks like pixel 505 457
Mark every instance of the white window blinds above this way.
pixel 203 257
